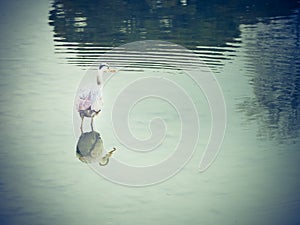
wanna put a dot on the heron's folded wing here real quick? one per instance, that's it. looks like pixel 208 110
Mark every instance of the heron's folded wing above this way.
pixel 84 99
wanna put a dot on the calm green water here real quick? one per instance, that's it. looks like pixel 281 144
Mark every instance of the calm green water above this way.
pixel 253 49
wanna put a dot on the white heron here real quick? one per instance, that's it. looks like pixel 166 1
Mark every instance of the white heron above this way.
pixel 89 101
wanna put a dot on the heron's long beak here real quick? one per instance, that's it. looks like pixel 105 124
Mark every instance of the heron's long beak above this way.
pixel 111 70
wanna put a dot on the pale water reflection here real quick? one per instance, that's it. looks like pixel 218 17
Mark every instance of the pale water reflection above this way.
pixel 252 46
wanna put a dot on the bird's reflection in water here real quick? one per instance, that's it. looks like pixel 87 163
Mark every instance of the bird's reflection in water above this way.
pixel 90 149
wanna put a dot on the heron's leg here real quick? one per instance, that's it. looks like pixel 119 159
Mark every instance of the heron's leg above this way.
pixel 81 124
pixel 92 120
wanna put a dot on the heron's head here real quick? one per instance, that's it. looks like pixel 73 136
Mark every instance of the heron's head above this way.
pixel 103 67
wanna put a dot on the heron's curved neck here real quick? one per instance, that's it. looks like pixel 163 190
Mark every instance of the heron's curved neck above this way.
pixel 99 77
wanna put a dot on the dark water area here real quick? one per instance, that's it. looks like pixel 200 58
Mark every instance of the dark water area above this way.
pixel 251 47
pixel 189 23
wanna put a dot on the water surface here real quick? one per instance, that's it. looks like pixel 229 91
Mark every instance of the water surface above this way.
pixel 251 46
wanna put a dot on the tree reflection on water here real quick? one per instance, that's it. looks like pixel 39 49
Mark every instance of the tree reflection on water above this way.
pixel 274 56
pixel 188 23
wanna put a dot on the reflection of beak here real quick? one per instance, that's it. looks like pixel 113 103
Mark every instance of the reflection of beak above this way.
pixel 112 151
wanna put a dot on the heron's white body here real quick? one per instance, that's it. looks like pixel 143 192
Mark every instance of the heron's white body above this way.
pixel 90 97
